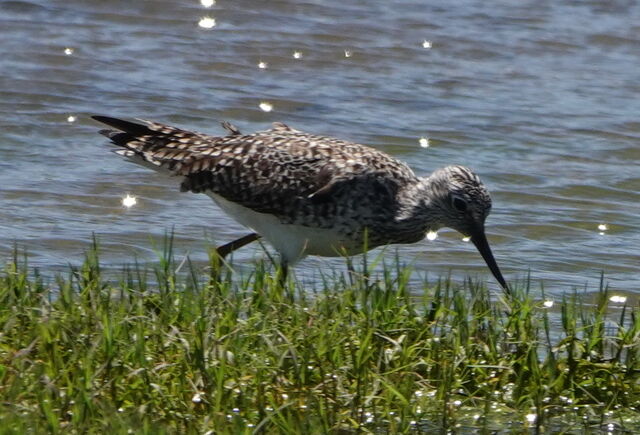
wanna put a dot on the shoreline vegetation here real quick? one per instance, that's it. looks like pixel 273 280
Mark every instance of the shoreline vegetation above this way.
pixel 195 351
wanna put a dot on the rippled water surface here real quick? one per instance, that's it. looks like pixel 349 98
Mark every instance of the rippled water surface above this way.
pixel 541 99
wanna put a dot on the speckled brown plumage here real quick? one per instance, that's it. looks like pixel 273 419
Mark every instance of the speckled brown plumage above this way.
pixel 300 178
pixel 326 192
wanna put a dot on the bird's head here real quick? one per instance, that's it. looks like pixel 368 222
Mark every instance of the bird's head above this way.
pixel 463 203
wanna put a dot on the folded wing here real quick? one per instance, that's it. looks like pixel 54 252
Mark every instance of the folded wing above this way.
pixel 265 171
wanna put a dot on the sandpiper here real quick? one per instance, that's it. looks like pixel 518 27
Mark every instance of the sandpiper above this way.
pixel 311 195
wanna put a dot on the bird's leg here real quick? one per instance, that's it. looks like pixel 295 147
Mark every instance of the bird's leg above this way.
pixel 283 271
pixel 226 249
pixel 351 271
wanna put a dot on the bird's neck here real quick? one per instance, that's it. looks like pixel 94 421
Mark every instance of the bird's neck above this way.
pixel 420 210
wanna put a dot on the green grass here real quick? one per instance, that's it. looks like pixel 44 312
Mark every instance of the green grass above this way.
pixel 157 351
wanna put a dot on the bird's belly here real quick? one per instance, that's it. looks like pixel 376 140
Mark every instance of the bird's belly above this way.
pixel 292 241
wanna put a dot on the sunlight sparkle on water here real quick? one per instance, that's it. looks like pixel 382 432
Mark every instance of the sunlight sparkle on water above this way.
pixel 348 53
pixel 548 303
pixel 466 239
pixel 531 418
pixel 424 142
pixel 68 51
pixel 432 235
pixel 262 65
pixel 426 44
pixel 197 398
pixel 207 3
pixel 71 118
pixel 618 299
pixel 265 106
pixel 602 228
pixel 129 201
pixel 207 22
pixel 297 55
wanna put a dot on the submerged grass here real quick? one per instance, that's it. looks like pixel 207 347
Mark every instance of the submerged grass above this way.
pixel 157 351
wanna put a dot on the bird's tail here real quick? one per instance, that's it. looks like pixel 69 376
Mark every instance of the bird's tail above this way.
pixel 158 146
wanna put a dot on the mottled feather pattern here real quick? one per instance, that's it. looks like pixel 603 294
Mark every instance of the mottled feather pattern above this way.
pixel 300 178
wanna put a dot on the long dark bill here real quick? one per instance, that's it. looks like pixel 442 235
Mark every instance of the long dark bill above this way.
pixel 480 240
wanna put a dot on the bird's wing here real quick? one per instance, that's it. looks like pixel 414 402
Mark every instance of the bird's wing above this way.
pixel 261 171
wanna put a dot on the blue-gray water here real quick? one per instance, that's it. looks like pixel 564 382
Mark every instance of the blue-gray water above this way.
pixel 540 98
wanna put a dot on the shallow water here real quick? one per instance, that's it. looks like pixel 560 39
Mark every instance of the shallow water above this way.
pixel 541 99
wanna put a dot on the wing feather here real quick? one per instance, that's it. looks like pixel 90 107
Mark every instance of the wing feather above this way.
pixel 276 171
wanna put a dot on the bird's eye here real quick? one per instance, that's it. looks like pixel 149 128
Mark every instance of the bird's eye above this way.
pixel 459 204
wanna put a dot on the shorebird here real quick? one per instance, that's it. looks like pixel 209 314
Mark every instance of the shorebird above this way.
pixel 311 195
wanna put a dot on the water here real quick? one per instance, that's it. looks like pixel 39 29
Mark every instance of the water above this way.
pixel 541 99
